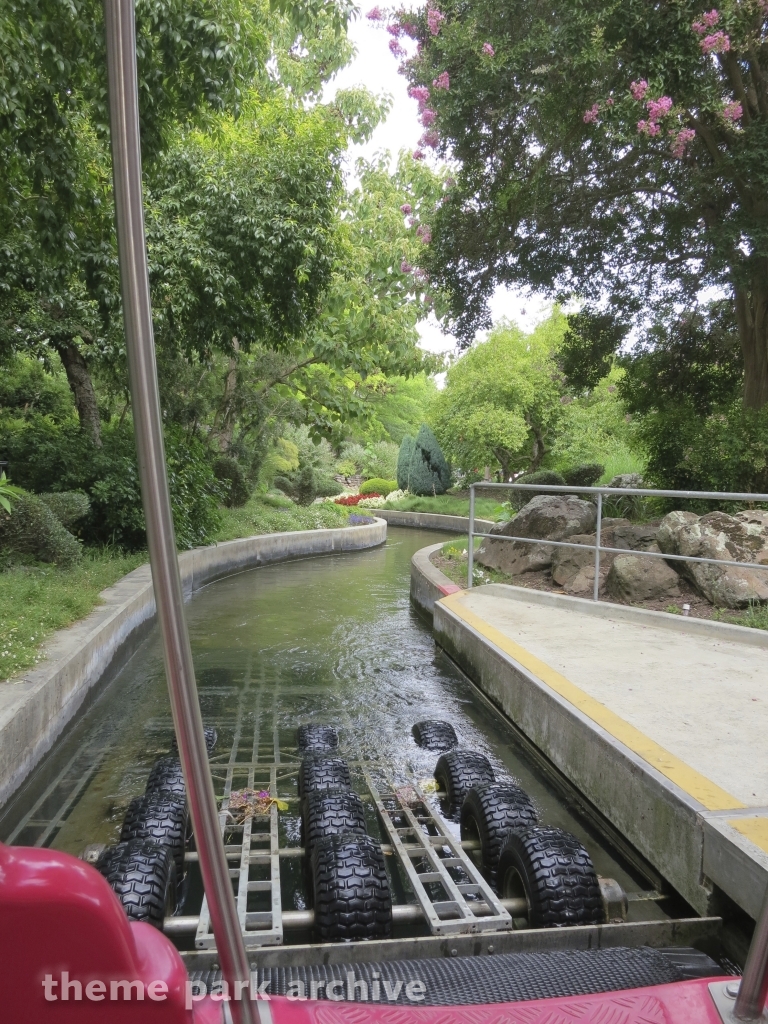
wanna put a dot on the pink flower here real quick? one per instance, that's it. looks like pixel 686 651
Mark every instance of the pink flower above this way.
pixel 488 50
pixel 681 141
pixel 592 114
pixel 610 101
pixel 427 117
pixel 419 92
pixel 405 267
pixel 420 275
pixel 659 108
pixel 733 111
pixel 430 138
pixel 418 154
pixel 717 43
pixel 424 232
pixel 434 20
pixel 639 89
pixel 442 81
pixel 406 208
pixel 395 29
pixel 396 49
pixel 375 14
pixel 410 29
pixel 706 21
pixel 648 128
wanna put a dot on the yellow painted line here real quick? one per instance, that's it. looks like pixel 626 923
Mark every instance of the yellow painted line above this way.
pixel 711 796
pixel 755 829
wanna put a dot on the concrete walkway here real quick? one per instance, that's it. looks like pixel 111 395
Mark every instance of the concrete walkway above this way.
pixel 659 720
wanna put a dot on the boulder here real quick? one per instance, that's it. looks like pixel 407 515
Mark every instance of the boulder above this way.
pixel 614 533
pixel 583 583
pixel 741 538
pixel 634 579
pixel 546 517
pixel 627 480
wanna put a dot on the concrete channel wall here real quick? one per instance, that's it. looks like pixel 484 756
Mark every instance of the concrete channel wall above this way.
pixel 37 705
pixel 431 521
pixel 700 847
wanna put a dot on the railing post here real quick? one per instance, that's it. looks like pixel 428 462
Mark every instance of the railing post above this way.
pixel 596 591
pixel 754 983
pixel 471 544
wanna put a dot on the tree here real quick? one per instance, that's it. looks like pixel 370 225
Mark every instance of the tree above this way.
pixel 428 472
pixel 502 399
pixel 616 150
pixel 404 462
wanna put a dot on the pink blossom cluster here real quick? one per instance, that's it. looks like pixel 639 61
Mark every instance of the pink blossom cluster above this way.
pixel 733 111
pixel 410 29
pixel 405 267
pixel 419 92
pixel 488 50
pixel 592 114
pixel 424 232
pixel 648 128
pixel 395 48
pixel 639 89
pixel 659 108
pixel 434 20
pixel 418 154
pixel 707 21
pixel 406 208
pixel 442 81
pixel 420 275
pixel 681 141
pixel 430 138
pixel 427 117
pixel 395 29
pixel 375 14
pixel 717 43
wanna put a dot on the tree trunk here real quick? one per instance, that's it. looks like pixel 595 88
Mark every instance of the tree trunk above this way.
pixel 752 318
pixel 538 451
pixel 81 386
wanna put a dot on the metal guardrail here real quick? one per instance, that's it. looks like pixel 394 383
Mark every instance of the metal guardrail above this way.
pixel 597 547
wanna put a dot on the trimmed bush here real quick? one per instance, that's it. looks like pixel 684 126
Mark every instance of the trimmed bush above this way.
pixel 69 507
pixel 404 462
pixel 542 476
pixel 229 472
pixel 33 529
pixel 379 485
pixel 429 472
pixel 586 475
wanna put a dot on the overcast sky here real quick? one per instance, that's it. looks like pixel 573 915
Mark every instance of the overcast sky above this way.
pixel 376 68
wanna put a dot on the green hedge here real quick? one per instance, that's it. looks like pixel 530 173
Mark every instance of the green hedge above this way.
pixel 69 507
pixel 33 529
pixel 379 486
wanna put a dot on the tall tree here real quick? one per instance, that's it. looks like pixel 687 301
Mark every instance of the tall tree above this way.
pixel 617 149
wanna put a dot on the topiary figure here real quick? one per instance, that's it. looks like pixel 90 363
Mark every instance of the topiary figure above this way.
pixel 377 485
pixel 404 462
pixel 429 473
pixel 69 507
pixel 230 473
pixel 32 529
pixel 542 476
pixel 585 475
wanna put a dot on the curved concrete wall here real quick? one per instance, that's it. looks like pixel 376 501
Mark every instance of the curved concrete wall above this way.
pixel 431 521
pixel 428 584
pixel 36 706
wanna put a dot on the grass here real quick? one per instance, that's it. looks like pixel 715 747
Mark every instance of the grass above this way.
pixel 36 600
pixel 755 616
pixel 448 505
pixel 275 514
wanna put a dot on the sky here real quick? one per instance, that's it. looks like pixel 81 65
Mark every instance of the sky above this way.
pixel 376 68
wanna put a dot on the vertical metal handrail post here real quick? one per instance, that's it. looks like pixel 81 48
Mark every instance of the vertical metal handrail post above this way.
pixel 471 539
pixel 166 580
pixel 596 591
pixel 753 989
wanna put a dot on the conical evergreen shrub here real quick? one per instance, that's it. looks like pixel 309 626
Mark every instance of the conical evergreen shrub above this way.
pixel 404 462
pixel 429 470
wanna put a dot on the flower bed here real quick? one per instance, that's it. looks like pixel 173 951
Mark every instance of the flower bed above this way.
pixel 354 499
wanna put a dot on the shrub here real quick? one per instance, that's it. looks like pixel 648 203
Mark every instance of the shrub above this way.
pixel 69 507
pixel 229 472
pixel 542 476
pixel 380 460
pixel 33 529
pixel 583 476
pixel 404 462
pixel 379 485
pixel 429 472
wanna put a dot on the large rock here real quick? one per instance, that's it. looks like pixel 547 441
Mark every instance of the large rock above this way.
pixel 634 579
pixel 627 480
pixel 614 533
pixel 739 538
pixel 547 517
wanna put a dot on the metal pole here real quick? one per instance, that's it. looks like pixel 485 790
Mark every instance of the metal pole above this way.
pixel 753 989
pixel 471 545
pixel 137 313
pixel 596 591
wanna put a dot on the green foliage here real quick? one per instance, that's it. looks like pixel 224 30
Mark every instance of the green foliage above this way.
pixel 262 515
pixel 429 472
pixel 588 347
pixel 446 504
pixel 8 492
pixel 380 460
pixel 313 476
pixel 229 472
pixel 379 486
pixel 69 507
pixel 281 458
pixel 542 476
pixel 32 529
pixel 404 462
pixel 27 388
pixel 585 475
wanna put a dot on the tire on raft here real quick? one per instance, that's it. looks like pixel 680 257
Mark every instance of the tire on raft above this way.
pixel 163 818
pixel 351 894
pixel 167 777
pixel 323 738
pixel 555 874
pixel 330 812
pixel 433 735
pixel 143 877
pixel 323 772
pixel 488 814
pixel 211 738
pixel 457 772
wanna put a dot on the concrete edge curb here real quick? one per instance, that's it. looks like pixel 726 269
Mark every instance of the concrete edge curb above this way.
pixel 428 583
pixel 431 520
pixel 37 705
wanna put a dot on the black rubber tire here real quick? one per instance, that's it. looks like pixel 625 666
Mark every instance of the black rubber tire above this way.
pixel 143 877
pixel 489 813
pixel 316 773
pixel 457 772
pixel 211 738
pixel 331 812
pixel 161 817
pixel 167 777
pixel 435 735
pixel 322 738
pixel 555 873
pixel 352 899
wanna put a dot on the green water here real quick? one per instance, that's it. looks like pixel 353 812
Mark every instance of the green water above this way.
pixel 330 639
